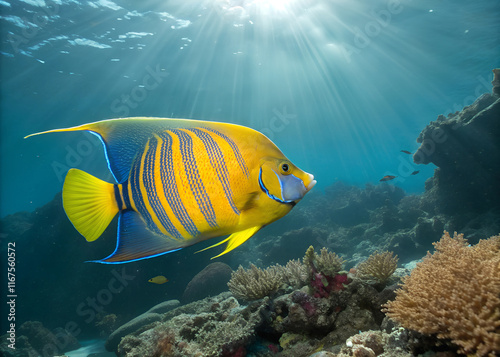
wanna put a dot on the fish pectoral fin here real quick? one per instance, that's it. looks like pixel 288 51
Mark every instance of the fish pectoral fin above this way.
pixel 237 239
pixel 136 241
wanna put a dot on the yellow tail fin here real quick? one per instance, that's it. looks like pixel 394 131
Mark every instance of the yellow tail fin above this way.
pixel 89 202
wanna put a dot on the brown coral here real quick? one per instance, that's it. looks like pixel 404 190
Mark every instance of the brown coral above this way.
pixel 455 294
pixel 327 263
pixel 379 266
pixel 295 274
pixel 255 283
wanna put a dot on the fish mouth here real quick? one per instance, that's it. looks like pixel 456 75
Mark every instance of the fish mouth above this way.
pixel 311 183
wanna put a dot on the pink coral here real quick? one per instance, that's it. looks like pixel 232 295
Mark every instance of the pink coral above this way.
pixel 324 285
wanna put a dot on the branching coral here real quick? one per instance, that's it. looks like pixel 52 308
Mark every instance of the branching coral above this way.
pixel 327 263
pixel 255 283
pixel 379 266
pixel 454 294
pixel 295 274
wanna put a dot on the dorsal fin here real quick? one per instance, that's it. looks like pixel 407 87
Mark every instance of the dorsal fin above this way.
pixel 124 138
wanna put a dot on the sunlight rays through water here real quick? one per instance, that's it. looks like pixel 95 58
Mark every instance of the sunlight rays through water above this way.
pixel 341 86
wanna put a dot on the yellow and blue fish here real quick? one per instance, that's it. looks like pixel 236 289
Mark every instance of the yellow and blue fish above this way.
pixel 180 182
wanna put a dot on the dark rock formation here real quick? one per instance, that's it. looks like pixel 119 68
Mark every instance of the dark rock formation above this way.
pixel 210 281
pixel 34 339
pixel 465 147
pixel 133 325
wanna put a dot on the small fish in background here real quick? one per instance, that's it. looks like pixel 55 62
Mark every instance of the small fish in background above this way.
pixel 180 182
pixel 415 172
pixel 160 279
pixel 406 152
pixel 387 178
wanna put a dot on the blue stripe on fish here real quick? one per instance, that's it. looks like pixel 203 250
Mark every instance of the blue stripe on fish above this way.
pixel 218 163
pixel 170 186
pixel 135 186
pixel 193 175
pixel 236 151
pixel 148 178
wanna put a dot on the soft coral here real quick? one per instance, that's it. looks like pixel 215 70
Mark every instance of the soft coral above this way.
pixel 324 285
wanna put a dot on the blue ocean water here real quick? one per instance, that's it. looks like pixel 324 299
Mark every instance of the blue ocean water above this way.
pixel 340 86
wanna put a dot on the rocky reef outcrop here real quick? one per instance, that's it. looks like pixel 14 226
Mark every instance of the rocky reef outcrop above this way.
pixel 34 339
pixel 211 281
pixel 150 316
pixel 465 147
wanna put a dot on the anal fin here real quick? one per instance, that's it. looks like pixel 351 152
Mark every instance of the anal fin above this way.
pixel 135 241
pixel 236 239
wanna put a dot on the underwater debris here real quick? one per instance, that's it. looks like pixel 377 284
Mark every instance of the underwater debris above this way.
pixel 255 283
pixel 379 266
pixel 454 294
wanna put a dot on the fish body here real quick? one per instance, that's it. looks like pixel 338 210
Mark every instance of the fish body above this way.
pixel 387 178
pixel 180 182
pixel 415 172
pixel 160 279
pixel 406 152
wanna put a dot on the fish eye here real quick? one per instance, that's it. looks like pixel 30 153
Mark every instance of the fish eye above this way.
pixel 285 168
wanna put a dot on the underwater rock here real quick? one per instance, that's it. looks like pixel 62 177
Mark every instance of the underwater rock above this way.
pixel 211 281
pixel 221 327
pixel 323 354
pixel 164 307
pixel 23 347
pixel 41 341
pixel 296 242
pixel 133 325
pixel 496 81
pixel 465 148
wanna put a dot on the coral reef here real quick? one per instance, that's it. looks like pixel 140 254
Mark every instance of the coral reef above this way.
pixel 455 294
pixel 378 266
pixel 255 283
pixel 106 324
pixel 212 280
pixel 295 274
pixel 221 327
pixel 323 271
pixel 347 321
pixel 327 263
pixel 34 339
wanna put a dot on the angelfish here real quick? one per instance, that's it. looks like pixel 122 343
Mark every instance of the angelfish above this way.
pixel 180 182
